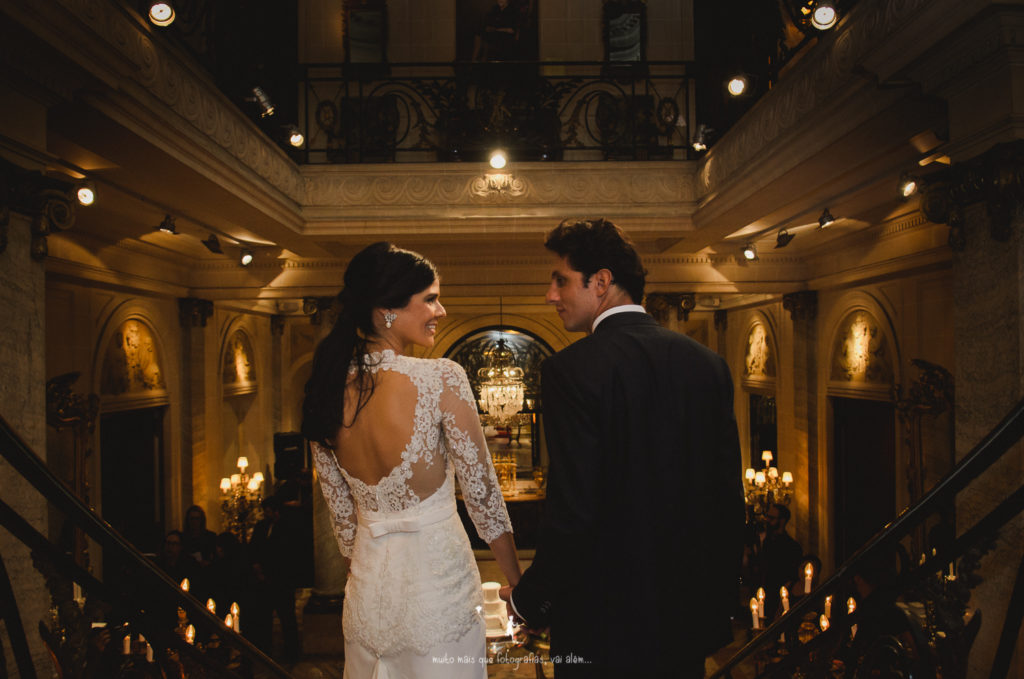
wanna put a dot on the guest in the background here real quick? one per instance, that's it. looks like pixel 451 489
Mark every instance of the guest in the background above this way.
pixel 197 539
pixel 174 561
pixel 272 551
pixel 229 575
pixel 778 558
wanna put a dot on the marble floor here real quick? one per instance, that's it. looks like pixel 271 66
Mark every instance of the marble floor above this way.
pixel 322 657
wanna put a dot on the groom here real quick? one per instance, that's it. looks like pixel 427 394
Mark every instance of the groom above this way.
pixel 637 567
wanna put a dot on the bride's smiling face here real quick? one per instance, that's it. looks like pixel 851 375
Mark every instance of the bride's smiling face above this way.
pixel 416 322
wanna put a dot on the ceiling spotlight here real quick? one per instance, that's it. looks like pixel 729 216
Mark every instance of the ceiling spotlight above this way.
pixel 825 219
pixel 738 85
pixel 295 138
pixel 213 244
pixel 161 13
pixel 908 185
pixel 824 15
pixel 782 240
pixel 167 226
pixel 259 95
pixel 702 138
pixel 498 159
pixel 245 259
pixel 749 252
pixel 86 193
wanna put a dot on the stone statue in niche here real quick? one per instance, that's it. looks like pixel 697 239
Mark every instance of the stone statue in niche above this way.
pixel 239 364
pixel 131 363
pixel 861 352
pixel 758 361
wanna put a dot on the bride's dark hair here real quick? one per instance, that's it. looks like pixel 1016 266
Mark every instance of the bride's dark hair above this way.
pixel 381 276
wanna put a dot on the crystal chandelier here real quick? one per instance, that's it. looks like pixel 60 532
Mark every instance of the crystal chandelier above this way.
pixel 501 384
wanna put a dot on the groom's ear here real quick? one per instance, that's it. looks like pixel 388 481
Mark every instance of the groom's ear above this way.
pixel 602 281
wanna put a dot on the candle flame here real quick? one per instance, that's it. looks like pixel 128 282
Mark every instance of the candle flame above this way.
pixel 783 592
pixel 235 610
pixel 823 622
pixel 211 605
pixel 753 605
pixel 851 605
pixel 229 620
pixel 809 571
pixel 190 634
pixel 184 585
pixel 760 594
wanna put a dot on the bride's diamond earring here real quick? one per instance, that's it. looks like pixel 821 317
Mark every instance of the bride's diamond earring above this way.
pixel 389 318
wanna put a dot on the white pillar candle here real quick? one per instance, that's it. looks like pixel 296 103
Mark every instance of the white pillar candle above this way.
pixel 236 613
pixel 126 644
pixel 823 623
pixel 828 606
pixel 760 602
pixel 211 605
pixel 753 614
pixel 808 577
pixel 190 634
pixel 149 653
pixel 784 596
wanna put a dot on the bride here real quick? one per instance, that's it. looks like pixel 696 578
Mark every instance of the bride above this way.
pixel 389 432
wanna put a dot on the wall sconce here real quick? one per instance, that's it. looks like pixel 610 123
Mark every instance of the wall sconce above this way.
pixel 498 159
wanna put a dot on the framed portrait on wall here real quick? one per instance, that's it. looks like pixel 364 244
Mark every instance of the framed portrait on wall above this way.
pixel 496 30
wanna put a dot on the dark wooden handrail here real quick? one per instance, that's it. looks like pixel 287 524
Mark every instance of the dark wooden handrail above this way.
pixel 991 448
pixel 38 474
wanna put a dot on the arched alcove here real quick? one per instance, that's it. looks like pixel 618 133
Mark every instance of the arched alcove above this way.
pixel 759 384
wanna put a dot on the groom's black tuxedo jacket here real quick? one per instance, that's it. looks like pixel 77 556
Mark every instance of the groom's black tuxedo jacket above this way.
pixel 637 566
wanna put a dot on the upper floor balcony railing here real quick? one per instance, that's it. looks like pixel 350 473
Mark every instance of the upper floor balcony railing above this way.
pixel 535 111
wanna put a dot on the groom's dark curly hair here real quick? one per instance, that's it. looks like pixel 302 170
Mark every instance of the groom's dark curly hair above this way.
pixel 594 244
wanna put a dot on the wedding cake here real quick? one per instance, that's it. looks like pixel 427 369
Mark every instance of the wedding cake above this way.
pixel 495 613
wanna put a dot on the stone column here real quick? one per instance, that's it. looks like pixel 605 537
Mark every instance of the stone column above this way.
pixel 803 314
pixel 988 289
pixel 192 314
pixel 23 407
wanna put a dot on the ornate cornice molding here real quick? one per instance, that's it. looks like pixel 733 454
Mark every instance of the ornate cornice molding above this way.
pixel 44 200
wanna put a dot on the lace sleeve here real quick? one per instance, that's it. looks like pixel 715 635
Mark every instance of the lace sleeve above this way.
pixel 470 456
pixel 338 496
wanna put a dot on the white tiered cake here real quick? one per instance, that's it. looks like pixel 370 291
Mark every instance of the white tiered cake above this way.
pixel 495 613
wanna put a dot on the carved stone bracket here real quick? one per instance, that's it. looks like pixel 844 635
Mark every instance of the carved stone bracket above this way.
pixel 660 303
pixel 193 312
pixel 277 325
pixel 66 409
pixel 46 200
pixel 996 177
pixel 802 306
pixel 316 307
pixel 721 320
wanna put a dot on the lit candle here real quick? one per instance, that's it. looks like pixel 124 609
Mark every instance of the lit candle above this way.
pixel 923 559
pixel 760 602
pixel 236 612
pixel 749 475
pixel 767 457
pixel 828 606
pixel 211 605
pixel 759 479
pixel 951 575
pixel 126 644
pixel 149 653
pixel 184 585
pixel 242 463
pixel 823 623
pixel 784 596
pixel 225 484
pixel 229 621
pixel 808 576
pixel 190 634
pixel 236 479
pixel 787 478
pixel 851 606
pixel 753 614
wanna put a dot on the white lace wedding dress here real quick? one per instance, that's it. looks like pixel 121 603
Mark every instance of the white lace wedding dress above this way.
pixel 413 590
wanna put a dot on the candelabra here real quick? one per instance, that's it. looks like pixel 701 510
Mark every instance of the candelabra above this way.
pixel 764 488
pixel 240 500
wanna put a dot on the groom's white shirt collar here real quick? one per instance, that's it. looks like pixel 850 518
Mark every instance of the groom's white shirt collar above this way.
pixel 621 309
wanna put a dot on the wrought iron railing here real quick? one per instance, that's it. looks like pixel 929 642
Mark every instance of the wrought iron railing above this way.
pixel 911 617
pixel 537 111
pixel 137 600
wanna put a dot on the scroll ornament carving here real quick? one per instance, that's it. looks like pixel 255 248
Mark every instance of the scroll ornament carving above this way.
pixel 193 312
pixel 861 352
pixel 660 303
pixel 131 363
